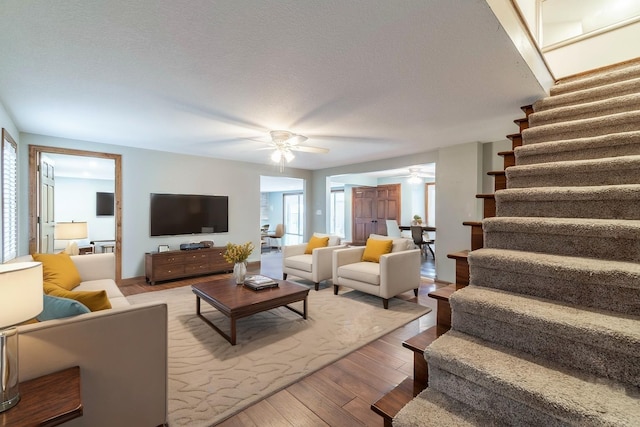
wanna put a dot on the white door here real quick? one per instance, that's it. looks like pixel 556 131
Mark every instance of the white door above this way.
pixel 46 223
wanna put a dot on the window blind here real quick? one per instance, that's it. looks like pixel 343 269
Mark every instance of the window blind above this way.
pixel 9 197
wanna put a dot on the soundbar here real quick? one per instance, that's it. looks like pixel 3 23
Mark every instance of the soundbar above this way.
pixel 192 246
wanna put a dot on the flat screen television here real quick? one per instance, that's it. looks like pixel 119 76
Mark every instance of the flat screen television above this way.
pixel 175 214
pixel 104 204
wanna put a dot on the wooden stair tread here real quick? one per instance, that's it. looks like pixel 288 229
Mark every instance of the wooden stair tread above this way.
pixel 486 196
pixel 506 153
pixel 514 135
pixel 458 255
pixel 391 403
pixel 420 342
pixel 473 223
pixel 443 294
pixel 527 109
pixel 496 173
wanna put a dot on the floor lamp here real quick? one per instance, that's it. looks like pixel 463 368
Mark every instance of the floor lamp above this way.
pixel 71 231
pixel 20 300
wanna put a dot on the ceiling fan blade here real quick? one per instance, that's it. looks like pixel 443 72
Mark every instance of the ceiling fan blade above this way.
pixel 306 149
pixel 296 139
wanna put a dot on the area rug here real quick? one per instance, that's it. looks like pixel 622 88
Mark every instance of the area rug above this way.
pixel 210 380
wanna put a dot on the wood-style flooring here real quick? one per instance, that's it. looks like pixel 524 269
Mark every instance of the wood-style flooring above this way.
pixel 340 394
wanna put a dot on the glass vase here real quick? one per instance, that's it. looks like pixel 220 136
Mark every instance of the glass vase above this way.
pixel 239 272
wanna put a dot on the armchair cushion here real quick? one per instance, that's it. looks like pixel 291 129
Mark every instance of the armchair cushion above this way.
pixel 316 242
pixel 375 248
pixel 368 272
pixel 300 262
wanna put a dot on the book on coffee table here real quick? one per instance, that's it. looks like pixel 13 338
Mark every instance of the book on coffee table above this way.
pixel 258 282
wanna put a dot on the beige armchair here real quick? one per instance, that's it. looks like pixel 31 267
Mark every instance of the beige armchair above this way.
pixel 315 266
pixel 395 273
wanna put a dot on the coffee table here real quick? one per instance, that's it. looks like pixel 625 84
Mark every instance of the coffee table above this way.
pixel 237 301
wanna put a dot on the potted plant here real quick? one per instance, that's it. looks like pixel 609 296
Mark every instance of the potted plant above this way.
pixel 417 220
pixel 238 254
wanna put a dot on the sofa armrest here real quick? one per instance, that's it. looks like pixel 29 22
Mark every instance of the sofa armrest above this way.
pixel 95 266
pixel 399 272
pixel 322 260
pixel 292 250
pixel 122 354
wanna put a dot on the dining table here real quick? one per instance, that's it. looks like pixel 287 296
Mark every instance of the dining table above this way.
pixel 424 228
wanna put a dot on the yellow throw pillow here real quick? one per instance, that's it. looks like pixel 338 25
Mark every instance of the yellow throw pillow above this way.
pixel 94 300
pixel 59 269
pixel 375 248
pixel 316 242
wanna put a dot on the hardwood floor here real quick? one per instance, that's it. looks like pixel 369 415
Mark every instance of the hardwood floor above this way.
pixel 340 394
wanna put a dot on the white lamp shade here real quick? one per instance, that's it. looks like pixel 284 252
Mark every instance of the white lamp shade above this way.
pixel 20 292
pixel 70 230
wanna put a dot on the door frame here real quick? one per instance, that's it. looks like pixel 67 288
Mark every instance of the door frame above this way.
pixel 34 156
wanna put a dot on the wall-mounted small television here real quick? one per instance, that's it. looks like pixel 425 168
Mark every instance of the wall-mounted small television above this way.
pixel 175 214
pixel 104 204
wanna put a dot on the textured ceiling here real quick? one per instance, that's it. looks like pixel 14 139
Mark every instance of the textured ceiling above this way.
pixel 368 79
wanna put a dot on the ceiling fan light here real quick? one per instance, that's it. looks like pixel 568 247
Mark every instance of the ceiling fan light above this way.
pixel 414 179
pixel 288 155
pixel 276 156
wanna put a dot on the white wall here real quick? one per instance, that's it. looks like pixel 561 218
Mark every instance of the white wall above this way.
pixel 609 48
pixel 75 200
pixel 147 171
pixel 458 180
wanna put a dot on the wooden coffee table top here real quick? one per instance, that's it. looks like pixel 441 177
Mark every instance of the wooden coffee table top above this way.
pixel 225 292
pixel 237 301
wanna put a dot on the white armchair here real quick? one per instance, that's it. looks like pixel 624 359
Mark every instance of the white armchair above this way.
pixel 395 273
pixel 315 266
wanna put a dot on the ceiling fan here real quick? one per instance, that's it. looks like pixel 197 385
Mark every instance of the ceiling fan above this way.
pixel 416 175
pixel 284 142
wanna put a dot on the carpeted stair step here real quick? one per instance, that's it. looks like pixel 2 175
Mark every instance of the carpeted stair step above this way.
pixel 524 390
pixel 433 408
pixel 607 201
pixel 592 172
pixel 588 95
pixel 583 128
pixel 610 239
pixel 605 285
pixel 616 145
pixel 597 342
pixel 585 110
pixel 615 74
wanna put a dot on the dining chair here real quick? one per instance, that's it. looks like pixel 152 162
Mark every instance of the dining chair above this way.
pixel 277 234
pixel 419 240
pixel 393 229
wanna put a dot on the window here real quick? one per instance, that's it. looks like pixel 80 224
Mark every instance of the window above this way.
pixel 336 220
pixel 294 217
pixel 9 197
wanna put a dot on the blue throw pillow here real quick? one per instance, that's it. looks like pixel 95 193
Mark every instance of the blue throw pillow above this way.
pixel 57 308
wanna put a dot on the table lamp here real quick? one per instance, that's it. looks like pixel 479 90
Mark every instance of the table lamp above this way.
pixel 20 300
pixel 71 231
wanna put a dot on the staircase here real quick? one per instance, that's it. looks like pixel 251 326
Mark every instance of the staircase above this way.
pixel 548 331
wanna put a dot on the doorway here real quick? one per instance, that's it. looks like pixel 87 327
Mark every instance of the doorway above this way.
pixel 38 201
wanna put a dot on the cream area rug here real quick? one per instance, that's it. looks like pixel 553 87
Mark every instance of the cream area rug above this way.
pixel 210 380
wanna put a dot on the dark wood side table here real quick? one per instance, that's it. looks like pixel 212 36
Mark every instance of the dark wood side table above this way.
pixel 46 401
